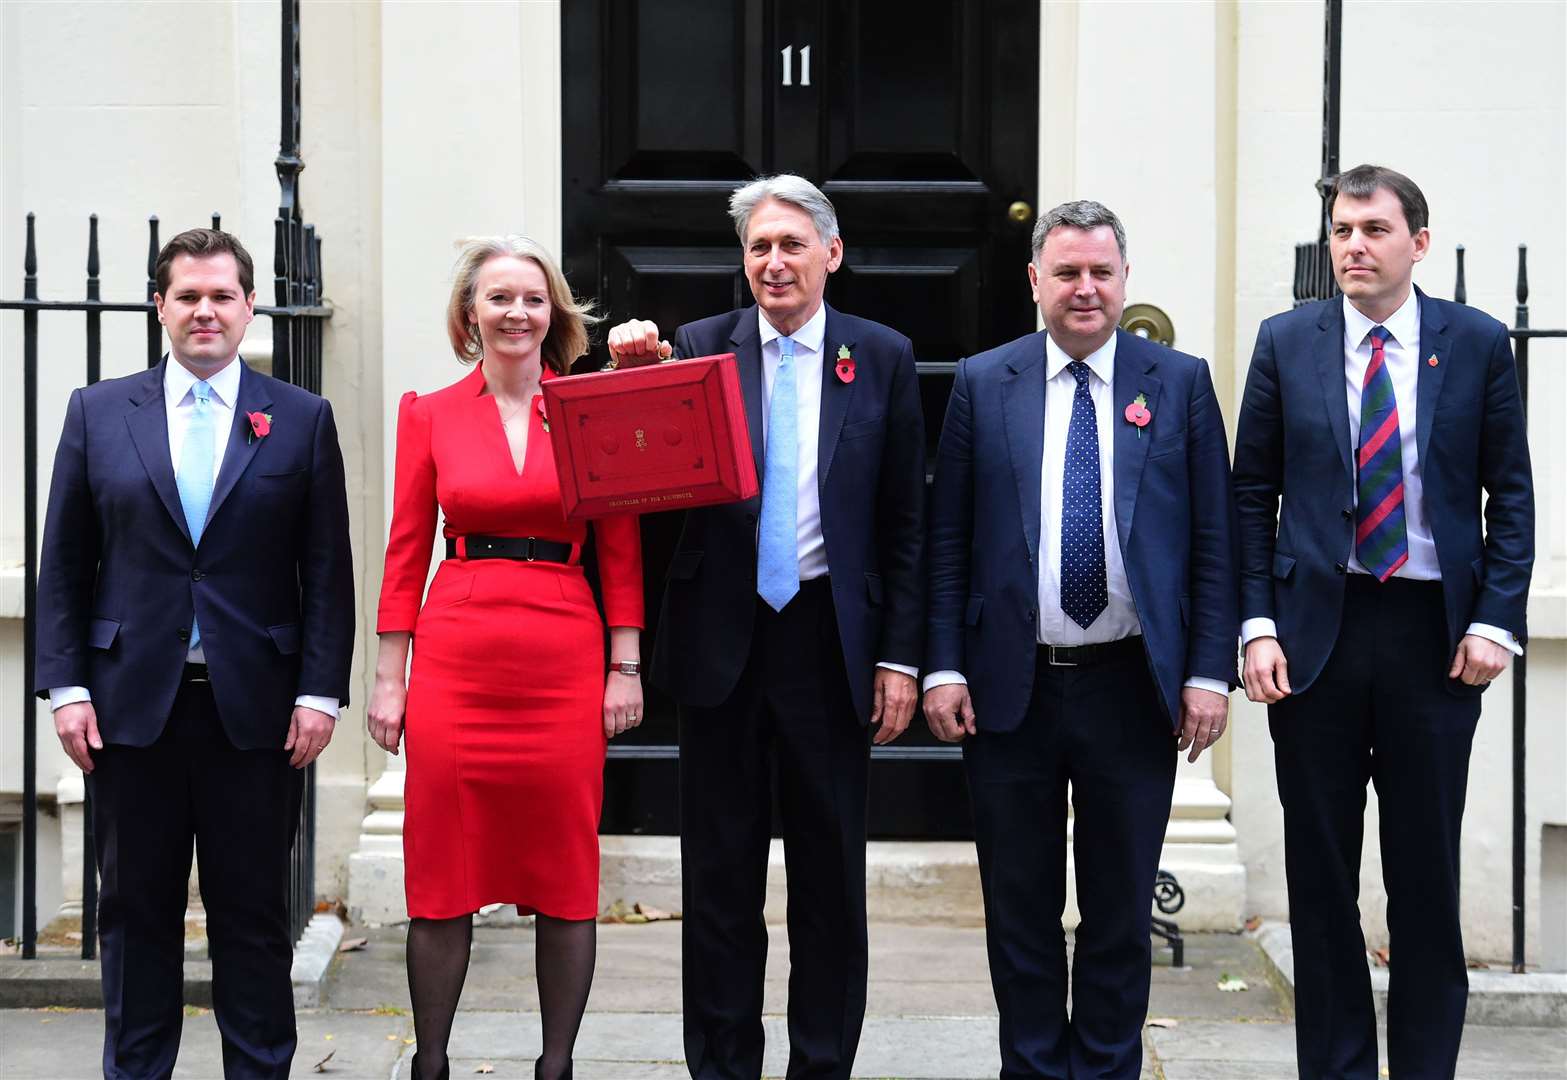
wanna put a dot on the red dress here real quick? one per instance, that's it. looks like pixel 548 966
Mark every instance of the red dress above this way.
pixel 504 730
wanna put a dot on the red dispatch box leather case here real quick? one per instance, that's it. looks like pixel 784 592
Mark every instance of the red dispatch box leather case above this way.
pixel 661 437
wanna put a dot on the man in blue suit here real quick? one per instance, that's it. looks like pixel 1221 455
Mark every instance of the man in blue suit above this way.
pixel 791 625
pixel 1082 628
pixel 196 630
pixel 1376 610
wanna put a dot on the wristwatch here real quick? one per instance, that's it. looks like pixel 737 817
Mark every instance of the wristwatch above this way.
pixel 626 667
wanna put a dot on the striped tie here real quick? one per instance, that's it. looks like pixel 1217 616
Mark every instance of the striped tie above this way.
pixel 1381 542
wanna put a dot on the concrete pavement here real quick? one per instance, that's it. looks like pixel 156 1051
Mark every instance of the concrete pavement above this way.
pixel 930 1014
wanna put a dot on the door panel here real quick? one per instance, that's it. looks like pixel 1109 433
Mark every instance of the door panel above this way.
pixel 920 122
pixel 681 74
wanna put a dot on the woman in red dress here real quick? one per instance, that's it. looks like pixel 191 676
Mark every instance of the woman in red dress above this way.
pixel 507 707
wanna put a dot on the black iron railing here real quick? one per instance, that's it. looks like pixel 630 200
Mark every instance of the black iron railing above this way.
pixel 298 319
pixel 1522 334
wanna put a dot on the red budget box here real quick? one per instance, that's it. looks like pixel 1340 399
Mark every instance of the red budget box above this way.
pixel 660 437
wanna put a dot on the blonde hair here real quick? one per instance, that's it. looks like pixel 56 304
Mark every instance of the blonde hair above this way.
pixel 569 317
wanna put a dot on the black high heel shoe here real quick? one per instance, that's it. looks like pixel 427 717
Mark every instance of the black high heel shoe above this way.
pixel 538 1063
pixel 416 1074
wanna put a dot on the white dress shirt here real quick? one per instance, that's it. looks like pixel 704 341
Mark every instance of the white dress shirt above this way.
pixel 808 359
pixel 179 399
pixel 1401 355
pixel 1119 618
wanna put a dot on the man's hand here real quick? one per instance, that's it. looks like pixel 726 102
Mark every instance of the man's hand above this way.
pixel 636 342
pixel 1265 673
pixel 77 726
pixel 893 706
pixel 1477 662
pixel 308 733
pixel 384 718
pixel 1203 716
pixel 949 712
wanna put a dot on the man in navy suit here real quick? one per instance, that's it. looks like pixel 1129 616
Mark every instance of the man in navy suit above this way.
pixel 1376 610
pixel 1082 628
pixel 196 630
pixel 791 624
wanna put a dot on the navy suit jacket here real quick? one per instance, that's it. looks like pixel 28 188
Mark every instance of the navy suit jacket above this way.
pixel 1174 516
pixel 871 477
pixel 1292 443
pixel 271 581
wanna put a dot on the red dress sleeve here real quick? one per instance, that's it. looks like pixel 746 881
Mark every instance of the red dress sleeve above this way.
pixel 619 541
pixel 413 521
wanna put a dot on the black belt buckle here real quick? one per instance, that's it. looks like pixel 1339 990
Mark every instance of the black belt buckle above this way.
pixel 532 552
pixel 1061 650
pixel 195 673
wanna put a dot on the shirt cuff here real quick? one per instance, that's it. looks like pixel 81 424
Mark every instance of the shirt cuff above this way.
pixel 67 695
pixel 326 705
pixel 1197 682
pixel 1505 638
pixel 944 678
pixel 901 669
pixel 1256 628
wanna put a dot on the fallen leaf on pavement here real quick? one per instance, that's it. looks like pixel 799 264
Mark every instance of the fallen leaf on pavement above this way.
pixel 485 1067
pixel 321 1065
pixel 1162 1022
pixel 1381 957
pixel 1254 922
pixel 654 914
pixel 1231 984
pixel 353 944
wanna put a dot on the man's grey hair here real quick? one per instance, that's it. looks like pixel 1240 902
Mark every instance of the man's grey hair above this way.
pixel 786 188
pixel 1082 214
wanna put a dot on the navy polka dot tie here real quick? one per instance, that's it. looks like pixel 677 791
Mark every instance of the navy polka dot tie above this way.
pixel 1083 591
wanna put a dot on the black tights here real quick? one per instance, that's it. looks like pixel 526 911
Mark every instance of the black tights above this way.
pixel 438 964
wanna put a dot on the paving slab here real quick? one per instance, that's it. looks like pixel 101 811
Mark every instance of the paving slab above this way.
pixel 1208 1050
pixel 67 1044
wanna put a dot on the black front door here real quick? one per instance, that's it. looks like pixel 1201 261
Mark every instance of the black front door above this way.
pixel 919 121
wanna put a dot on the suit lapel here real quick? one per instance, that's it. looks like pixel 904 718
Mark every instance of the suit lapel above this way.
pixel 241 448
pixel 1433 343
pixel 1023 417
pixel 1328 351
pixel 835 398
pixel 748 355
pixel 149 427
pixel 1134 365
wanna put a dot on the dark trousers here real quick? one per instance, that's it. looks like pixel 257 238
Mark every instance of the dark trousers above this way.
pixel 1101 729
pixel 1382 710
pixel 241 807
pixel 791 711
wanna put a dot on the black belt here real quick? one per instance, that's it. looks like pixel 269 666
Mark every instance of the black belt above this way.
pixel 1084 655
pixel 526 548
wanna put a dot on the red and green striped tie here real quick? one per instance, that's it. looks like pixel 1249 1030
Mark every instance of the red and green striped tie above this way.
pixel 1381 541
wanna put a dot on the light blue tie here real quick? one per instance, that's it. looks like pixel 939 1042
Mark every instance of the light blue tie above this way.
pixel 194 478
pixel 777 553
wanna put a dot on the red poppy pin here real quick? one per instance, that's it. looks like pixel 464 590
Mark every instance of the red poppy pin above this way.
pixel 544 417
pixel 845 365
pixel 260 425
pixel 1137 413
